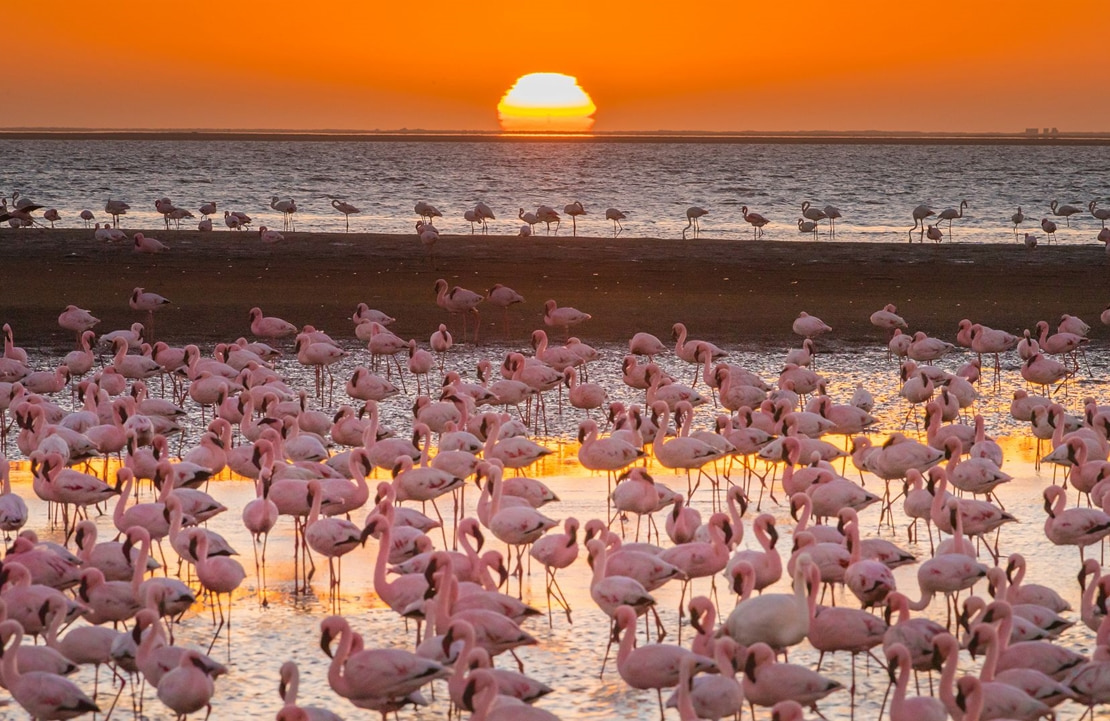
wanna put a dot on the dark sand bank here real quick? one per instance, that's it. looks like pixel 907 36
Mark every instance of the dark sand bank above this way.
pixel 727 291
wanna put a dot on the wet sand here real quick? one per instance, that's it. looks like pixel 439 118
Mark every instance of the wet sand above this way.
pixel 725 290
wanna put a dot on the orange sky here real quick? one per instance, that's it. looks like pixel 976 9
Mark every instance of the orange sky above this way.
pixel 444 64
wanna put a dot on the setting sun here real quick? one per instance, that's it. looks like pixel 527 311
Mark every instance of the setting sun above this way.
pixel 546 102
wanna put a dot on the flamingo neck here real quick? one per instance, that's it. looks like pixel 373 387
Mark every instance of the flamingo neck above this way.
pixel 990 664
pixel 336 678
pixel 139 572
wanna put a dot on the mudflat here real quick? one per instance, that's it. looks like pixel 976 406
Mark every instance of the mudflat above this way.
pixel 738 292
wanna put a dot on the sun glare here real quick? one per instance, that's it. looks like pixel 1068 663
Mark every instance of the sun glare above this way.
pixel 546 102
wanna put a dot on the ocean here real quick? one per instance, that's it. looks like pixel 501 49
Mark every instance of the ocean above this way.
pixel 875 186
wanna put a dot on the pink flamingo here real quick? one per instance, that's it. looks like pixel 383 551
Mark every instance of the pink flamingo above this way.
pixel 42 694
pixel 270 327
pixel 1073 526
pixel 918 708
pixel 556 551
pixel 218 575
pixel 654 666
pixel 503 297
pixel 756 220
pixel 144 244
pixel 767 683
pixel 564 317
pixel 459 300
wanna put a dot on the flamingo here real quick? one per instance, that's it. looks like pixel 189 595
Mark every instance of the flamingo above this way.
pixel 920 213
pixel 116 208
pixel 756 220
pixel 218 575
pixel 1065 210
pixel 287 690
pixel 87 216
pixel 653 666
pixel 77 320
pixel 616 216
pixel 1080 527
pixel 692 215
pixel 286 207
pixel 813 214
pixel 767 683
pixel 779 620
pixel 530 219
pixel 143 300
pixel 564 317
pixel 1102 214
pixel 547 214
pixel 951 214
pixel 347 210
pixel 557 551
pixel 143 244
pixel 187 688
pixel 1017 219
pixel 1049 228
pixel 918 708
pixel 43 695
pixel 832 213
pixel 808 326
pixel 459 300
pixel 270 327
pixel 574 210
pixel 269 236
pixel 807 226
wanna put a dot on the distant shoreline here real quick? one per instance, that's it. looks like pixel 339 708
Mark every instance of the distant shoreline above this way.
pixel 803 138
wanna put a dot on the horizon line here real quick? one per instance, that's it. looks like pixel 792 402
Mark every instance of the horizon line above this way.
pixel 1038 135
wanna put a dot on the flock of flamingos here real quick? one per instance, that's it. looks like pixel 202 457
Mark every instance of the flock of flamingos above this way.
pixel 107 603
pixel 19 214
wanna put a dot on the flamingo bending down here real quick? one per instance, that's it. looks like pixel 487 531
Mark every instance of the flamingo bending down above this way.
pixel 616 216
pixel 692 215
pixel 920 213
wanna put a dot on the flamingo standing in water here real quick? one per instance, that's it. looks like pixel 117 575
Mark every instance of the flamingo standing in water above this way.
pixel 218 575
pixel 346 209
pixel 484 213
pixel 920 213
pixel 459 300
pixel 832 213
pixel 616 216
pixel 951 214
pixel 692 215
pixel 1017 219
pixel 756 220
pixel 556 551
pixel 562 317
pixel 503 296
pixel 1065 210
pixel 574 210
pixel 116 208
pixel 286 207
pixel 43 695
pixel 1049 228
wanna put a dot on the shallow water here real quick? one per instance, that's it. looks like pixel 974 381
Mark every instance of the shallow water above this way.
pixel 874 186
pixel 568 656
